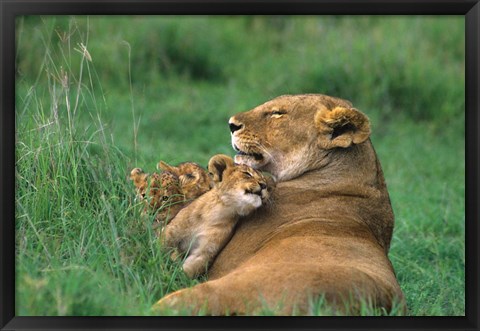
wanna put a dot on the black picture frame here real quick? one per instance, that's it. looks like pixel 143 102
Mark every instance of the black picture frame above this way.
pixel 11 8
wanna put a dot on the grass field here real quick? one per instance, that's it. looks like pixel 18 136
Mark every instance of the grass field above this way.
pixel 97 96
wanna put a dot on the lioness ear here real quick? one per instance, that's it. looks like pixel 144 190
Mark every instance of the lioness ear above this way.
pixel 217 165
pixel 341 127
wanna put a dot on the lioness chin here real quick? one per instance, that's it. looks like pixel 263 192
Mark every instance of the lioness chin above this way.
pixel 329 232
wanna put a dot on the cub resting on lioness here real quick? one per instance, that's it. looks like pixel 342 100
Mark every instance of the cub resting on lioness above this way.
pixel 204 227
pixel 330 231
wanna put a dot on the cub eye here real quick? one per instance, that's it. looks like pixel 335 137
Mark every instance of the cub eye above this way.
pixel 165 198
pixel 247 174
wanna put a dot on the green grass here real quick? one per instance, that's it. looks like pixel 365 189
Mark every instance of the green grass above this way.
pixel 426 185
pixel 165 90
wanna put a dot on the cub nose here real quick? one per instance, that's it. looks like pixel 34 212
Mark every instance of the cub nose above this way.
pixel 234 126
pixel 263 186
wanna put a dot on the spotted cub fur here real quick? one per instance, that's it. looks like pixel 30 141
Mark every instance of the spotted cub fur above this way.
pixel 194 180
pixel 161 193
pixel 167 192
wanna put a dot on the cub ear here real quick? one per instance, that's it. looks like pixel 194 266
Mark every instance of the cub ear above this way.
pixel 136 173
pixel 139 177
pixel 341 127
pixel 166 167
pixel 217 165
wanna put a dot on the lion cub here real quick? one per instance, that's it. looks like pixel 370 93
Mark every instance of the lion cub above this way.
pixel 169 191
pixel 203 228
pixel 193 179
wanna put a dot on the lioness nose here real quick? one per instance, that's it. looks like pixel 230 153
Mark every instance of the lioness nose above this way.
pixel 234 126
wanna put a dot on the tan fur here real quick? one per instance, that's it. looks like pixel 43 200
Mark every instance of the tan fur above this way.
pixel 203 228
pixel 329 232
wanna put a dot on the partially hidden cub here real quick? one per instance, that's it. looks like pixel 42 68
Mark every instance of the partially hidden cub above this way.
pixel 193 179
pixel 201 229
pixel 167 192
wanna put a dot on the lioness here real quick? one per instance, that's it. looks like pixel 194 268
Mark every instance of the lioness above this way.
pixel 329 232
pixel 203 227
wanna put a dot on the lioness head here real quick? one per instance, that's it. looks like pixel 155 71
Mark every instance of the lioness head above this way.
pixel 293 134
pixel 240 185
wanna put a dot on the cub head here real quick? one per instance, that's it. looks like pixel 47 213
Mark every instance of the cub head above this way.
pixel 140 180
pixel 161 193
pixel 293 134
pixel 240 186
pixel 194 180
